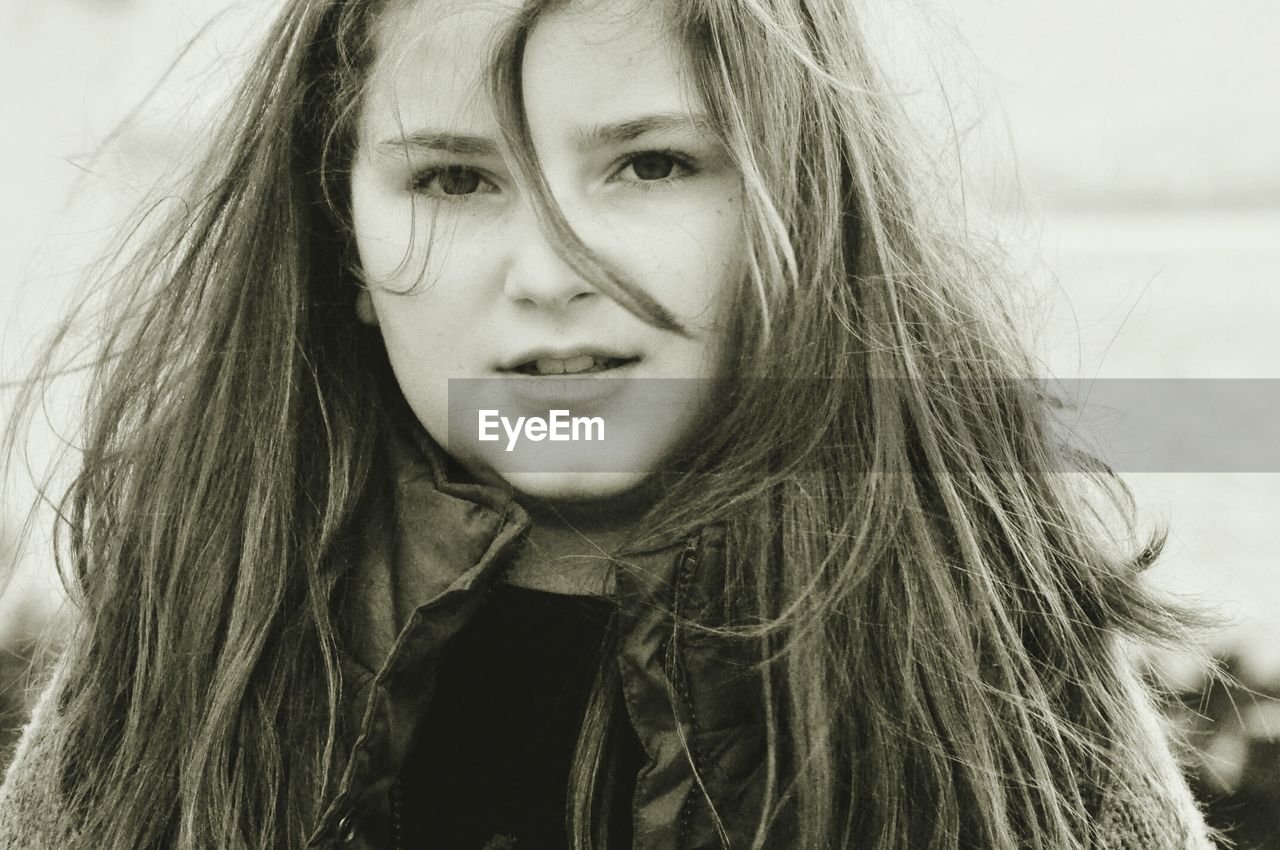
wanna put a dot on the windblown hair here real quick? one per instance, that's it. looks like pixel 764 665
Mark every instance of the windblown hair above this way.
pixel 938 616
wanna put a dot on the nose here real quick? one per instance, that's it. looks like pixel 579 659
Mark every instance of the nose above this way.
pixel 536 274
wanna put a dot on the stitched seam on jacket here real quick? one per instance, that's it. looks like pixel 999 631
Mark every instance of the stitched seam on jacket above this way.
pixel 397 836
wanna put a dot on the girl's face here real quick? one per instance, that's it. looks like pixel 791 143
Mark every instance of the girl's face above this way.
pixel 464 284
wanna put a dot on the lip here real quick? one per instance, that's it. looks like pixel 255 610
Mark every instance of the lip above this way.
pixel 586 388
pixel 600 352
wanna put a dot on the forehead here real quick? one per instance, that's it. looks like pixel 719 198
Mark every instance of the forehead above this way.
pixel 588 61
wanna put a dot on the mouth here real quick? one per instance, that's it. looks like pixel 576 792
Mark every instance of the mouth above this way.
pixel 583 364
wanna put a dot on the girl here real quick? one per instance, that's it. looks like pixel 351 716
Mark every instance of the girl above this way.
pixel 824 590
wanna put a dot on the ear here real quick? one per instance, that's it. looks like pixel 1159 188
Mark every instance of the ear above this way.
pixel 364 308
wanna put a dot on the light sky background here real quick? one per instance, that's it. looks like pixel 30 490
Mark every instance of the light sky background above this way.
pixel 1129 151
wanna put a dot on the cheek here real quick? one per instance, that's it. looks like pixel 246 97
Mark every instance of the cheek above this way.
pixel 399 246
pixel 690 261
pixel 406 244
pixel 442 267
pixel 428 284
pixel 426 344
pixel 381 222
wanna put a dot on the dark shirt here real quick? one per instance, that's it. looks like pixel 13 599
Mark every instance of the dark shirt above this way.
pixel 490 769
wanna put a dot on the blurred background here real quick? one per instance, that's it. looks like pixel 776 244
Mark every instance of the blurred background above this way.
pixel 1124 158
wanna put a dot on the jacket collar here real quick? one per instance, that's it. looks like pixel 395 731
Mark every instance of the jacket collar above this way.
pixel 431 538
pixel 427 557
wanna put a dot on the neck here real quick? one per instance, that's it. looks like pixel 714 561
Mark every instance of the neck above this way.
pixel 571 545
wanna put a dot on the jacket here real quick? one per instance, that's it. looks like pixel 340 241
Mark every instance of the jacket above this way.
pixel 425 571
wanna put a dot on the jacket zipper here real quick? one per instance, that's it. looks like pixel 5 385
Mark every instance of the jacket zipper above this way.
pixel 685 572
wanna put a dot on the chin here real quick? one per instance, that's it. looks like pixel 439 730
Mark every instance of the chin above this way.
pixel 574 486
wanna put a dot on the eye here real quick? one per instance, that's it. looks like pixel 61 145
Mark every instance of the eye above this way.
pixel 655 167
pixel 457 182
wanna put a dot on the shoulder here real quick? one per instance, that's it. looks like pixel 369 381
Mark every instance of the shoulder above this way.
pixel 31 816
pixel 1149 805
pixel 1159 813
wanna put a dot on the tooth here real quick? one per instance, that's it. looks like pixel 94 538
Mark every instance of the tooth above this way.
pixel 579 364
pixel 550 366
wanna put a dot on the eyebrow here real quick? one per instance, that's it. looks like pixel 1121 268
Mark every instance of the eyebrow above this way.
pixel 620 132
pixel 454 143
pixel 615 133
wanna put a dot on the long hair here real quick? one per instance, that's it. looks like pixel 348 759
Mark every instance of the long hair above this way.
pixel 229 433
pixel 913 549
pixel 938 619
